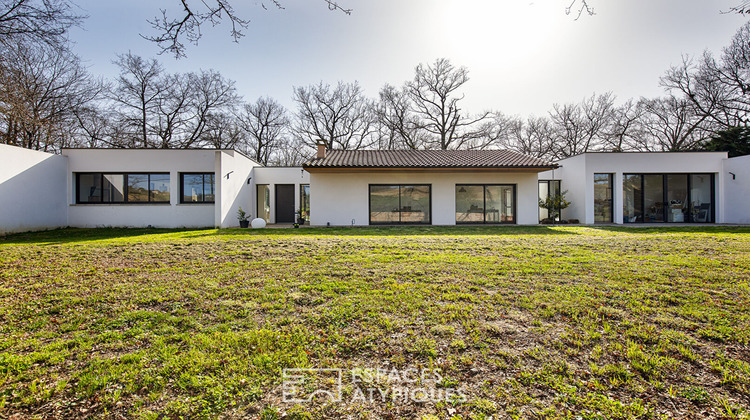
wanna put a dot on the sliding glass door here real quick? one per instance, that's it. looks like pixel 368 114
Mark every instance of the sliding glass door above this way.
pixel 400 204
pixel 675 198
pixel 485 204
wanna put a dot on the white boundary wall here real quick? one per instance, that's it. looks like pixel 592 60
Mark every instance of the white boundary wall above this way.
pixel 32 190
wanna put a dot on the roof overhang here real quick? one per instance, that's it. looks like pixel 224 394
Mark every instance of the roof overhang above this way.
pixel 360 169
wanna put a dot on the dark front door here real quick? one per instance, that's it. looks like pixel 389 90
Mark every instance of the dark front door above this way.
pixel 284 203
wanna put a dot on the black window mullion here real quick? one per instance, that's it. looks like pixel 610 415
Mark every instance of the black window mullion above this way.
pixel 689 203
pixel 665 194
pixel 400 208
pixel 484 204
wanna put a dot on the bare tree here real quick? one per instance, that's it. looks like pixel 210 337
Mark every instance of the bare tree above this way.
pixel 579 128
pixel 709 95
pixel 266 123
pixel 211 93
pixel 172 111
pixel 531 137
pixel 400 127
pixel 672 124
pixel 436 103
pixel 171 32
pixel 137 92
pixel 167 110
pixel 341 116
pixel 37 21
pixel 625 129
pixel 293 152
pixel 223 132
pixel 41 89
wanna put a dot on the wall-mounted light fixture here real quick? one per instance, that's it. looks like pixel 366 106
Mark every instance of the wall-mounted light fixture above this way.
pixel 248 180
pixel 228 174
pixel 733 175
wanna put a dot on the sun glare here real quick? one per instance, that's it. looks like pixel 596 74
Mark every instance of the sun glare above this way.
pixel 500 30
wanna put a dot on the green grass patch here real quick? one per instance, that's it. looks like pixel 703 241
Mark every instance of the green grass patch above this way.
pixel 526 322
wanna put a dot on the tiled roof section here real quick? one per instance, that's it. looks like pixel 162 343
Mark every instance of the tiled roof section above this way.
pixel 427 159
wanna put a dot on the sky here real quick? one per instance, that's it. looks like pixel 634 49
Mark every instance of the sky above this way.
pixel 522 56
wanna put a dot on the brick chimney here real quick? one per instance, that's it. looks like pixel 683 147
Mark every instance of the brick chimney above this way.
pixel 321 149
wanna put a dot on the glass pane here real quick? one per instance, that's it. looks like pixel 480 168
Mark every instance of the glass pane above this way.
pixel 700 198
pixel 677 191
pixel 602 198
pixel 508 215
pixel 632 197
pixel 415 204
pixel 384 203
pixel 159 187
pixel 264 203
pixel 653 198
pixel 304 200
pixel 469 204
pixel 208 187
pixel 138 187
pixel 192 188
pixel 113 188
pixel 554 187
pixel 89 188
pixel 543 192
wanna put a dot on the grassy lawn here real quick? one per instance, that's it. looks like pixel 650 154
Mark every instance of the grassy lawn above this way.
pixel 538 322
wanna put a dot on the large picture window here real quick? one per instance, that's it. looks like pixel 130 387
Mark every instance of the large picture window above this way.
pixel 400 204
pixel 485 204
pixel 118 188
pixel 197 188
pixel 676 198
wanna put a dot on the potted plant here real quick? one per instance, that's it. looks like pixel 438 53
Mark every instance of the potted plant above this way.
pixel 243 218
pixel 554 203
pixel 300 217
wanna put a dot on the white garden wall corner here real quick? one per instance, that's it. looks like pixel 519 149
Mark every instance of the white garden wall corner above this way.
pixel 32 190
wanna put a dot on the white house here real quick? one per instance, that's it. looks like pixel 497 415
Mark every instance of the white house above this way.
pixel 205 187
pixel 657 187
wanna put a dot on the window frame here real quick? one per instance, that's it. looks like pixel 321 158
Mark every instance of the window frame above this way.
pixel 203 201
pixel 559 189
pixel 611 188
pixel 125 188
pixel 369 204
pixel 484 204
pixel 665 193
pixel 304 205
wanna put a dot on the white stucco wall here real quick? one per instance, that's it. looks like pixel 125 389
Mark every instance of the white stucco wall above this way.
pixel 32 190
pixel 737 190
pixel 339 198
pixel 234 190
pixel 279 175
pixel 577 175
pixel 172 215
pixel 572 175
